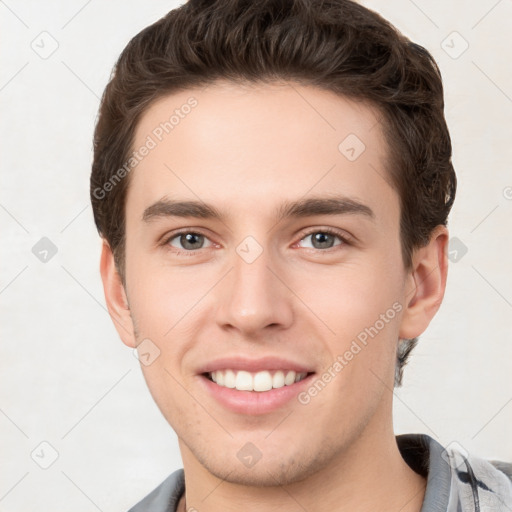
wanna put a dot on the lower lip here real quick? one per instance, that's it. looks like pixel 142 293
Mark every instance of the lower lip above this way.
pixel 254 402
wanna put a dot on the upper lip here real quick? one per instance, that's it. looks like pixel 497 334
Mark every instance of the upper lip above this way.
pixel 253 365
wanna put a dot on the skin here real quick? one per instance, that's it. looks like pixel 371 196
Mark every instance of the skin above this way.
pixel 246 150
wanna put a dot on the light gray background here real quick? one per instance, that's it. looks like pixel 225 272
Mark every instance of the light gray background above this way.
pixel 67 379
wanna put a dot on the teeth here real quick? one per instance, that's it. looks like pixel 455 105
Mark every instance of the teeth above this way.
pixel 259 381
pixel 243 381
pixel 290 378
pixel 278 379
pixel 229 379
pixel 262 381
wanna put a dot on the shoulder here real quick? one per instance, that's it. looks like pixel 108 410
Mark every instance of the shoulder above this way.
pixel 504 467
pixel 165 497
pixel 456 479
pixel 479 482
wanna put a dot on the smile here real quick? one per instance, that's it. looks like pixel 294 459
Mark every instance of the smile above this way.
pixel 260 381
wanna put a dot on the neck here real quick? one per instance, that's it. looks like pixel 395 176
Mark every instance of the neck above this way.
pixel 369 475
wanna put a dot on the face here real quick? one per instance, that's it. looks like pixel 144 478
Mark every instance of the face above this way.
pixel 264 276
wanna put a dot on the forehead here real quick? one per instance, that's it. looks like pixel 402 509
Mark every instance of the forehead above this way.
pixel 264 143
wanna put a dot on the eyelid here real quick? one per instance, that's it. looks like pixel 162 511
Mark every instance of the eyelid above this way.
pixel 345 238
pixel 165 240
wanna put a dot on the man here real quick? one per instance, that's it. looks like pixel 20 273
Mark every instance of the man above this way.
pixel 272 182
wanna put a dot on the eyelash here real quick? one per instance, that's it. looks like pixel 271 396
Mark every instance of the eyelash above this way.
pixel 329 231
pixel 346 240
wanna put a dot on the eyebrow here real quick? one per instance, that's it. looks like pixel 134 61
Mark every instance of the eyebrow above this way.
pixel 337 205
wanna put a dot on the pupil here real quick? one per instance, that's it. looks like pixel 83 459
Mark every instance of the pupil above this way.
pixel 322 239
pixel 189 240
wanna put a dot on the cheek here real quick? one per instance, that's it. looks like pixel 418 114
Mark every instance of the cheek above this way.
pixel 351 297
pixel 169 393
pixel 361 306
pixel 160 296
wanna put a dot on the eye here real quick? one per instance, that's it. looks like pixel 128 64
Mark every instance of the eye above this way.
pixel 324 239
pixel 187 241
pixel 192 241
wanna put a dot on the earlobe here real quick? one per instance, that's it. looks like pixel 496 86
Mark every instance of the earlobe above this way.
pixel 426 284
pixel 115 297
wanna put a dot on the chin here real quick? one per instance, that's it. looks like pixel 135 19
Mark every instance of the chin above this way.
pixel 265 475
pixel 277 470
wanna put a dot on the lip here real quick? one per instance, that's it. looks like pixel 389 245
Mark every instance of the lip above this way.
pixel 253 365
pixel 253 402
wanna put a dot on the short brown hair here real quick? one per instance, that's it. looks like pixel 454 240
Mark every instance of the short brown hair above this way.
pixel 335 45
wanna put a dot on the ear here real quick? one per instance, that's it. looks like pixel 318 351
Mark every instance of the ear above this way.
pixel 115 297
pixel 425 284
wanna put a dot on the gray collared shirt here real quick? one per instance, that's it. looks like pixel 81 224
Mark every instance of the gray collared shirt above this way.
pixel 456 481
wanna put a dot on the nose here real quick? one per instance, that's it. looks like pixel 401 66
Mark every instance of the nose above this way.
pixel 253 297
